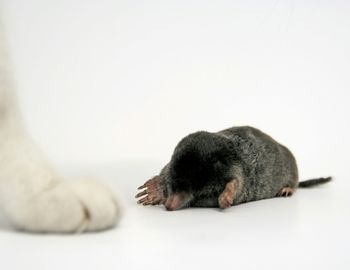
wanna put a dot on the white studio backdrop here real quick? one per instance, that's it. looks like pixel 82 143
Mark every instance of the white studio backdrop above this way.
pixel 108 81
pixel 113 85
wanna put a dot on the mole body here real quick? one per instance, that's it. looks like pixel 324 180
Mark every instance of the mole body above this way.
pixel 233 166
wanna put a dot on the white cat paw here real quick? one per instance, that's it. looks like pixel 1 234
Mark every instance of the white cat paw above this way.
pixel 99 205
pixel 66 207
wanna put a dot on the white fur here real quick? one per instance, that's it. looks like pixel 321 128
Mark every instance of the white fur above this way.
pixel 32 195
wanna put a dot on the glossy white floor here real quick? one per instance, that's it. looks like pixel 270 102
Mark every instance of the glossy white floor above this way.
pixel 306 231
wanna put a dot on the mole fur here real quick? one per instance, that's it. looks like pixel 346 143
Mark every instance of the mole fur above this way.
pixel 203 163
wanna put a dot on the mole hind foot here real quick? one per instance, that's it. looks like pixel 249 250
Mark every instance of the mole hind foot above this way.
pixel 286 192
pixel 227 196
pixel 153 192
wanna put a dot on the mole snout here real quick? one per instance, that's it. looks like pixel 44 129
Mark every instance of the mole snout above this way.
pixel 177 201
pixel 169 207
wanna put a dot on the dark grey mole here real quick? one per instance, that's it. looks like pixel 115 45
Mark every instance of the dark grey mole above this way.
pixel 233 166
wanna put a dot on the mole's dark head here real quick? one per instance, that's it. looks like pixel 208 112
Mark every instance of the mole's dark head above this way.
pixel 199 167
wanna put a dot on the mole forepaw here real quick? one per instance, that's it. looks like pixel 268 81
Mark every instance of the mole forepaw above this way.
pixel 225 200
pixel 227 196
pixel 285 192
pixel 153 192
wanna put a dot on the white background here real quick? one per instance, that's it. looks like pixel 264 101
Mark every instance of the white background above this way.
pixel 111 86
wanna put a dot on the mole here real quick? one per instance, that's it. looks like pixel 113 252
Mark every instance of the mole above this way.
pixel 222 169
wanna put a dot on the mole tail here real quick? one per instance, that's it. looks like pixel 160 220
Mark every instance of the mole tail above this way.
pixel 314 182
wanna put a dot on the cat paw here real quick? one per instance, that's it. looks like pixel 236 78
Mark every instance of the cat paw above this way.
pixel 99 205
pixel 66 207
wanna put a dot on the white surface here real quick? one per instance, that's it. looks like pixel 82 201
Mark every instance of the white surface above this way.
pixel 306 231
pixel 120 82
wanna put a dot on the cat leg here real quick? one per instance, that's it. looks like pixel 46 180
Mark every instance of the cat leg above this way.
pixel 32 195
pixel 34 198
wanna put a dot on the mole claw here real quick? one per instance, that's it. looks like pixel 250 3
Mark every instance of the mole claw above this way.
pixel 285 192
pixel 153 192
pixel 143 200
pixel 141 194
